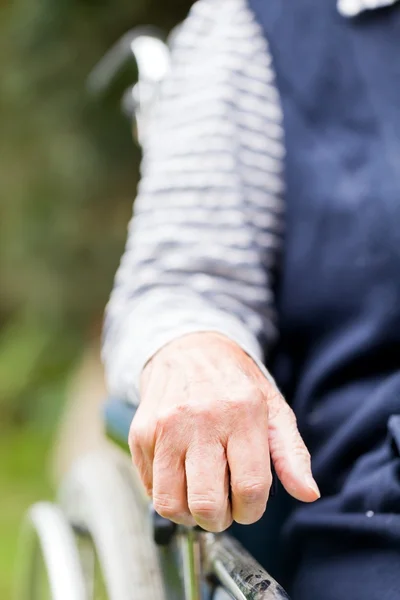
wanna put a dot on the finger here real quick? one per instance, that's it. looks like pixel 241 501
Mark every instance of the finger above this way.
pixel 207 478
pixel 169 484
pixel 289 453
pixel 250 469
pixel 145 470
pixel 142 454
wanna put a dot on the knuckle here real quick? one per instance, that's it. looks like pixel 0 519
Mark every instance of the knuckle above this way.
pixel 199 411
pixel 247 390
pixel 258 405
pixel 167 506
pixel 135 437
pixel 172 416
pixel 167 419
pixel 205 508
pixel 168 422
pixel 140 436
pixel 278 407
pixel 246 401
pixel 187 414
pixel 253 490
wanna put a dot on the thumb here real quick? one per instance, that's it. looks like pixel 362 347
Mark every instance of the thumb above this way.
pixel 289 453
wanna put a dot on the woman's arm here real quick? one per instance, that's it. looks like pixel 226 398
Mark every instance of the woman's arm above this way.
pixel 207 228
pixel 193 297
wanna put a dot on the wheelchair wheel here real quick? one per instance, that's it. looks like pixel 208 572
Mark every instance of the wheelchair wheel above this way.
pixel 102 501
pixel 221 594
pixel 50 567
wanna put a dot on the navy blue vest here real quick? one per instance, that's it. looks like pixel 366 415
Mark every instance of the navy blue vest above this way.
pixel 338 361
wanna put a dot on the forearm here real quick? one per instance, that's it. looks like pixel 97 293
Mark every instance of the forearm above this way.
pixel 157 320
pixel 207 228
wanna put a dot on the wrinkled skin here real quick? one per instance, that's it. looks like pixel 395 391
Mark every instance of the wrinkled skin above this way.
pixel 207 425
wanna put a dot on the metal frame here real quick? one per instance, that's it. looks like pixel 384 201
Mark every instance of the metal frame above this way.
pixel 146 49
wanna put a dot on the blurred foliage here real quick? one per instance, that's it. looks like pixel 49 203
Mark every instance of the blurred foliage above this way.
pixel 68 172
pixel 22 481
pixel 67 179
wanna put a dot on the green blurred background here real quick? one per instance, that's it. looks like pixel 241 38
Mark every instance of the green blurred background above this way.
pixel 68 173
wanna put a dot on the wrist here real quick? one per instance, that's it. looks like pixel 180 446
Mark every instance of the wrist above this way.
pixel 214 343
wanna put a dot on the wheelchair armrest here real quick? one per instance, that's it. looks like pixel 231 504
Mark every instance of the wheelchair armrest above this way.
pixel 118 415
pixel 238 571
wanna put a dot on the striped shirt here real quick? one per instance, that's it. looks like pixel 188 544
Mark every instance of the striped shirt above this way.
pixel 209 216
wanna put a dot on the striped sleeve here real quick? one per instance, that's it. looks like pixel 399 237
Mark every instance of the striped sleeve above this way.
pixel 207 230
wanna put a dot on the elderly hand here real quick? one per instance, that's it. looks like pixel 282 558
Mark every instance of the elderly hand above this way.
pixel 205 430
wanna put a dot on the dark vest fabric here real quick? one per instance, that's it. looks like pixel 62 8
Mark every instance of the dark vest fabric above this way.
pixel 338 360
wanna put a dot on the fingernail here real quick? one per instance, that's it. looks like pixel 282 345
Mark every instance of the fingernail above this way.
pixel 311 483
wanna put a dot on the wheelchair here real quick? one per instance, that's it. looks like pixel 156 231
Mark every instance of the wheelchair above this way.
pixel 101 539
